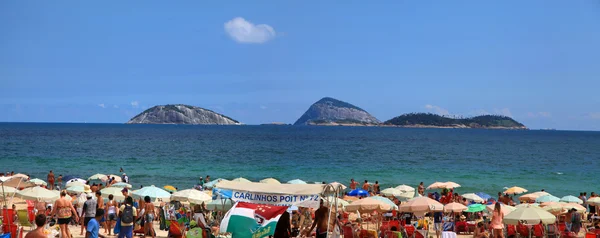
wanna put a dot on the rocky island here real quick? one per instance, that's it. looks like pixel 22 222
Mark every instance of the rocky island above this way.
pixel 181 114
pixel 429 120
pixel 333 112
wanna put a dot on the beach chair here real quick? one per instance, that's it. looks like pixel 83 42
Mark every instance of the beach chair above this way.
pixel 511 231
pixel 410 230
pixel 562 227
pixel 523 230
pixel 461 226
pixel 590 235
pixel 395 223
pixel 538 231
pixel 23 216
pixel 348 232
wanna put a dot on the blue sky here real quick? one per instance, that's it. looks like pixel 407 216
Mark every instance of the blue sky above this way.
pixel 265 61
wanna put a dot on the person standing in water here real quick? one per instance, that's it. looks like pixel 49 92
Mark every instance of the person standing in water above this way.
pixel 51 180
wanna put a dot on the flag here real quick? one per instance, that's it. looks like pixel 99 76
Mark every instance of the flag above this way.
pixel 249 220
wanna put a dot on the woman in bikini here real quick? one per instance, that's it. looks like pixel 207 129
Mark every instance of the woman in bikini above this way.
pixel 149 214
pixel 64 210
pixel 497 217
pixel 111 206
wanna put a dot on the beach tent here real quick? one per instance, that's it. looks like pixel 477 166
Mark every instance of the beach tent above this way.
pixel 151 191
pixel 191 196
pixel 301 195
pixel 472 197
pixel 529 216
pixel 270 181
pixel 454 207
pixel 38 194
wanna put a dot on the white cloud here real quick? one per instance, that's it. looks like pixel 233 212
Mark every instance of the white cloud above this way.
pixel 263 107
pixel 503 112
pixel 244 31
pixel 595 115
pixel 135 104
pixel 437 110
pixel 102 105
pixel 116 106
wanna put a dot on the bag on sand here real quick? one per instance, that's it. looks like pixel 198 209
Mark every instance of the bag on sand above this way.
pixel 117 226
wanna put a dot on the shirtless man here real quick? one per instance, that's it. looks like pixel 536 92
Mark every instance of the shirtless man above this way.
pixel 51 180
pixel 366 186
pixel 100 205
pixel 40 222
pixel 59 180
pixel 376 188
pixel 353 184
pixel 421 189
pixel 320 221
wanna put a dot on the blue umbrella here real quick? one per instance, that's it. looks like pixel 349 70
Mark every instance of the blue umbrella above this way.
pixel 483 195
pixel 358 193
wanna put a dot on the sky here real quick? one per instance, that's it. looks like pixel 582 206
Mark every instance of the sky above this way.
pixel 268 61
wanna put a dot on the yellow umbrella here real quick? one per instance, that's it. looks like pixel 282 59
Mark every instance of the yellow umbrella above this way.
pixel 515 190
pixel 170 188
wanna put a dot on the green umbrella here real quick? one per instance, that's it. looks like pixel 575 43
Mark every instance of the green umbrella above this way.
pixel 38 181
pixel 76 189
pixel 476 208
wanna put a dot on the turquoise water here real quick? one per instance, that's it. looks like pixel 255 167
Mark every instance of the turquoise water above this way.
pixel 562 162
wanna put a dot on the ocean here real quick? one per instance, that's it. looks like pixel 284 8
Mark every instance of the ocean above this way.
pixel 561 162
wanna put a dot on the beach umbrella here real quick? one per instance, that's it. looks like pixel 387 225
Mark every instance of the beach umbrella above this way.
pixel 391 192
pixel 594 201
pixel 450 185
pixel 575 206
pixel 405 188
pixel 75 183
pixel 296 181
pixel 349 198
pixel 476 208
pixel 503 208
pixel 527 205
pixel 219 205
pixel 386 200
pixel 16 182
pixel 358 193
pixel 472 197
pixel 38 181
pixel 530 197
pixel 8 190
pixel 20 175
pixel 421 205
pixel 555 208
pixel 117 177
pixel 454 207
pixel 336 184
pixel 38 194
pixel 116 192
pixel 76 189
pixel 170 188
pixel 121 185
pixel 483 195
pixel 529 216
pixel 368 205
pixel 571 199
pixel 436 185
pixel 101 177
pixel 152 192
pixel 212 183
pixel 547 198
pixel 515 190
pixel 241 180
pixel 270 181
pixel 330 199
pixel 191 196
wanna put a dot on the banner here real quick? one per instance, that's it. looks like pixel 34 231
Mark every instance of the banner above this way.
pixel 247 220
pixel 287 200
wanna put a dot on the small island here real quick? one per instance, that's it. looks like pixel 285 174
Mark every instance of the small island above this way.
pixel 332 112
pixel 429 120
pixel 181 114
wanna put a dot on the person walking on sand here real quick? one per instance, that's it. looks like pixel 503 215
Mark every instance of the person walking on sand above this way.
pixel 100 206
pixel 93 227
pixel 128 215
pixel 497 219
pixel 89 211
pixel 64 210
pixel 149 215
pixel 51 180
pixel 111 206
pixel 40 222
pixel 320 222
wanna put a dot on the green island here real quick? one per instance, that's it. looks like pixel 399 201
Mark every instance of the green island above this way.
pixel 438 121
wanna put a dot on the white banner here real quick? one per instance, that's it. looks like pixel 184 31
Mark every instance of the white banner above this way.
pixel 311 201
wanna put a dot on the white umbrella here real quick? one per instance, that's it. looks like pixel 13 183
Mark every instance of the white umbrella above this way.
pixel 391 192
pixel 527 205
pixel 121 185
pixel 241 180
pixel 532 196
pixel 421 205
pixel 38 181
pixel 38 194
pixel 529 216
pixel 75 183
pixel 572 199
pixel 76 189
pixel 405 188
pixel 472 197
pixel 8 190
pixel 16 182
pixel 594 201
pixel 450 185
pixel 270 181
pixel 296 181
pixel 101 177
pixel 503 208
pixel 333 200
pixel 455 207
pixel 116 192
pixel 191 196
pixel 436 185
pixel 151 191
pixel 336 184
pixel 368 205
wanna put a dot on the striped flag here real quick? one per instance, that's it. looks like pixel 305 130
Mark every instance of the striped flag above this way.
pixel 248 220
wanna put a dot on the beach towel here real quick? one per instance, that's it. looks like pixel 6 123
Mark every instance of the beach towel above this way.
pixel 117 228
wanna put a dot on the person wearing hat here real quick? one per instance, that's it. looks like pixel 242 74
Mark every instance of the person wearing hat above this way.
pixel 125 178
pixel 89 211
